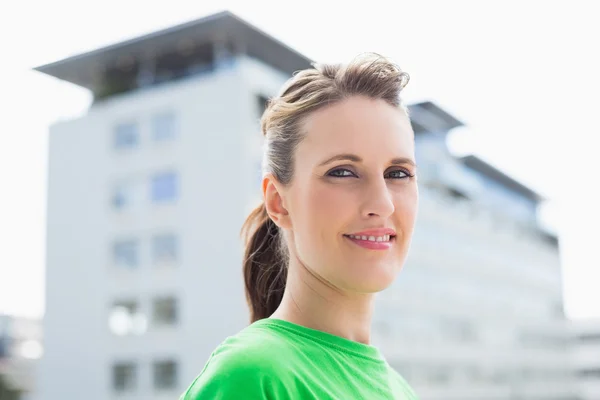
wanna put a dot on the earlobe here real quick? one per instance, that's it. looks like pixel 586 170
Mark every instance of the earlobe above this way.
pixel 274 201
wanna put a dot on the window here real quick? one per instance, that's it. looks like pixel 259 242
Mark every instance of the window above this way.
pixel 121 197
pixel 126 194
pixel 125 253
pixel 589 337
pixel 125 318
pixel 165 374
pixel 261 104
pixel 439 375
pixel 589 373
pixel 4 346
pixel 124 375
pixel 31 349
pixel 456 194
pixel 165 249
pixel 126 135
pixel 164 187
pixel 165 311
pixel 164 127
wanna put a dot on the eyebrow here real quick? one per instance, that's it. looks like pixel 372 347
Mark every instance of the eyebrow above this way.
pixel 355 158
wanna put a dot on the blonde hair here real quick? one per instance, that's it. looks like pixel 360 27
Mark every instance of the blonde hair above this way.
pixel 370 75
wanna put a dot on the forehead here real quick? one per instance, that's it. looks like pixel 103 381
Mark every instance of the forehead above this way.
pixel 366 127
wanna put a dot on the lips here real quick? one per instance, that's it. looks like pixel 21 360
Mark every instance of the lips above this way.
pixel 374 239
pixel 371 238
pixel 372 242
pixel 374 232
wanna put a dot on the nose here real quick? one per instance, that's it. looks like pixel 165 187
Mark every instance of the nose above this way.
pixel 378 200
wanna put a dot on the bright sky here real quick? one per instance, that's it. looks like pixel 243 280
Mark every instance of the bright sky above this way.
pixel 522 74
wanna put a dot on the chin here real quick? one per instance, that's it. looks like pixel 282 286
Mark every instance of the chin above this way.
pixel 373 282
pixel 374 287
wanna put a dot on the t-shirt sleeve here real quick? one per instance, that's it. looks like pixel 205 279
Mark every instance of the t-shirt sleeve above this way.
pixel 406 390
pixel 234 377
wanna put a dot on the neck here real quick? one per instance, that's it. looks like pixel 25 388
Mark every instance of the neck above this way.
pixel 312 302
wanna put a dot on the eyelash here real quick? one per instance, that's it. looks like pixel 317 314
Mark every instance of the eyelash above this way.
pixel 332 173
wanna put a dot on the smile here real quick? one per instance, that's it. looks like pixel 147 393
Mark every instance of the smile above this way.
pixel 384 238
pixel 372 242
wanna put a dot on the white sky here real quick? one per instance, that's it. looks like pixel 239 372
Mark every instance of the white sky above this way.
pixel 524 75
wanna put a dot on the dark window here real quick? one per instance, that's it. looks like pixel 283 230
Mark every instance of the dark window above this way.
pixel 165 374
pixel 126 135
pixel 124 376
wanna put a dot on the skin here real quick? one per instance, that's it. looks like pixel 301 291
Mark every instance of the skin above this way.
pixel 332 281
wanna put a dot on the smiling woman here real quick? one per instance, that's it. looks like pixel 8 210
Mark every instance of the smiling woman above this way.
pixel 340 201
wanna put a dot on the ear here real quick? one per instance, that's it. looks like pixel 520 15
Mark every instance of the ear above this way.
pixel 273 195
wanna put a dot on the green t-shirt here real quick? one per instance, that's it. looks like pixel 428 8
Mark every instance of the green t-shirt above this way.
pixel 276 360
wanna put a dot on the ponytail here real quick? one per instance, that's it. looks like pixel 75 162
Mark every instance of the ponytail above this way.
pixel 264 264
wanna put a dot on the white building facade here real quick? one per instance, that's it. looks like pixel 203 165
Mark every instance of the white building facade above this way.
pixel 586 337
pixel 477 311
pixel 147 195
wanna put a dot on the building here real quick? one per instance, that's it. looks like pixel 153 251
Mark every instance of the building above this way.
pixel 586 336
pixel 147 194
pixel 478 308
pixel 20 350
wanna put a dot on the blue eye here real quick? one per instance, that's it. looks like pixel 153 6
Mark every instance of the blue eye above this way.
pixel 346 173
pixel 341 173
pixel 399 174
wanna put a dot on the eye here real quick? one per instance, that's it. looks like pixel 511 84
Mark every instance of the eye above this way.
pixel 341 173
pixel 399 174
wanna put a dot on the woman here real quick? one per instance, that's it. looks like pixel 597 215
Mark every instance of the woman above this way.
pixel 340 200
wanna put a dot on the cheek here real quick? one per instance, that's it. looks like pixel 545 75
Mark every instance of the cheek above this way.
pixel 319 214
pixel 328 202
pixel 406 206
pixel 337 209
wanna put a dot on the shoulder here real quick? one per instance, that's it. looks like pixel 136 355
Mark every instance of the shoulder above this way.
pixel 255 347
pixel 246 365
pixel 402 387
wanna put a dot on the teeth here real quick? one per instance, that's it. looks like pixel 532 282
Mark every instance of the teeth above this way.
pixel 384 238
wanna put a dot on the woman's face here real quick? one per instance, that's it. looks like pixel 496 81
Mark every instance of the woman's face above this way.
pixel 353 198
